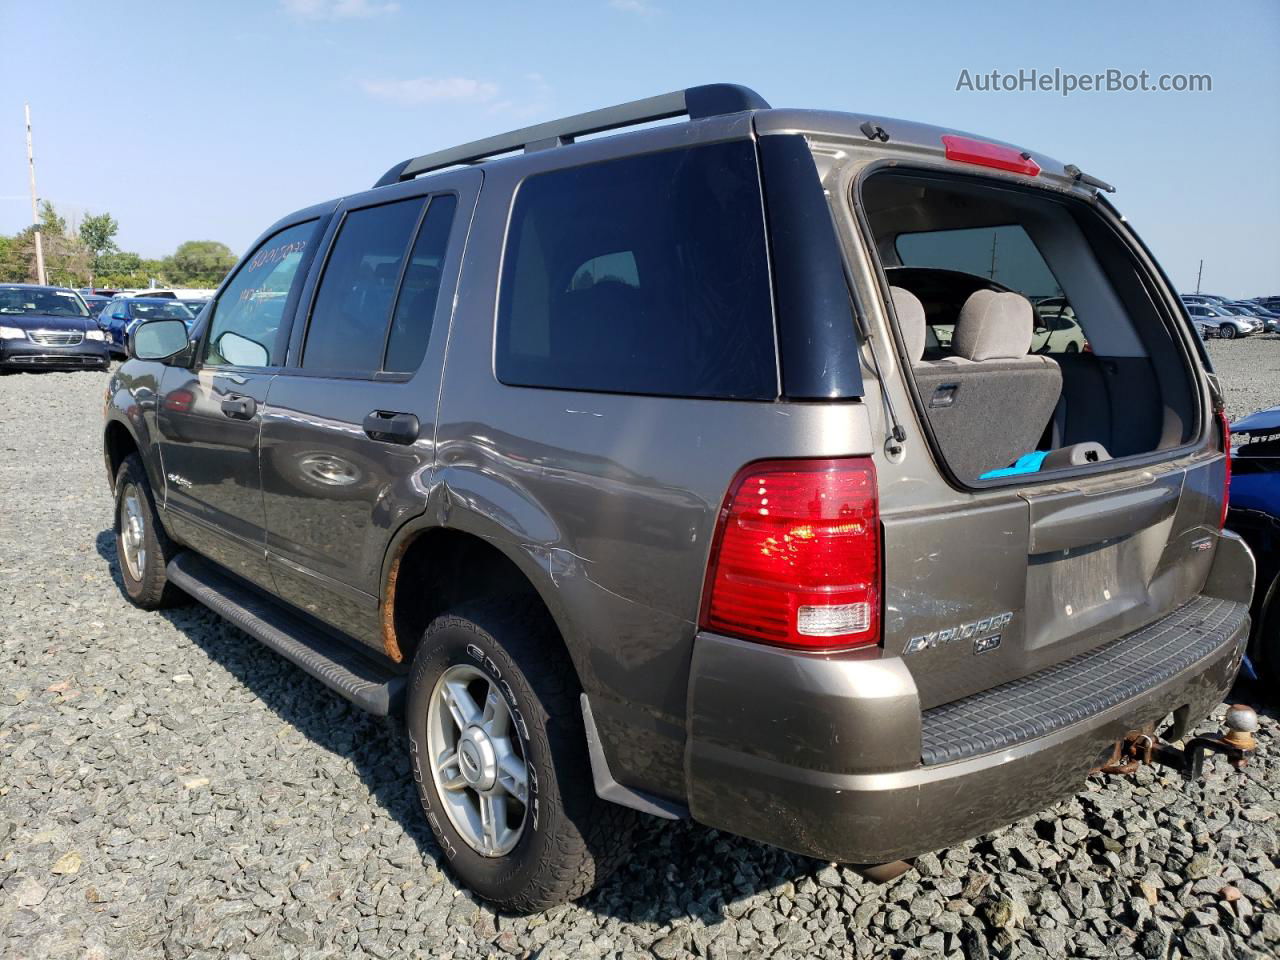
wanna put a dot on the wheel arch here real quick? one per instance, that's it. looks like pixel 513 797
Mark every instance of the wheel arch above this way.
pixel 118 441
pixel 431 568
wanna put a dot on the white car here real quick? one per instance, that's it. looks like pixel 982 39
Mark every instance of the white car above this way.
pixel 1056 329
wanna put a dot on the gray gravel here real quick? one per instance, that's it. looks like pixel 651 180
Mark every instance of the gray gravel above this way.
pixel 1250 371
pixel 168 788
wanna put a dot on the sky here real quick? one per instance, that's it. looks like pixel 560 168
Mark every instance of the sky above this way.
pixel 209 121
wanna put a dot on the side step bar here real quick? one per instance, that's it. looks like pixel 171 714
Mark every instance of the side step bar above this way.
pixel 334 663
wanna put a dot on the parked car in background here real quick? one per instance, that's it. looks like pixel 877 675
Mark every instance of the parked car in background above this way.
pixel 121 315
pixel 1269 319
pixel 1204 329
pixel 1255 515
pixel 1271 303
pixel 44 327
pixel 1229 325
pixel 1202 298
pixel 195 306
pixel 1056 329
pixel 94 302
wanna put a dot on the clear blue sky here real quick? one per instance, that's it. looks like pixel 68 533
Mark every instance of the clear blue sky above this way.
pixel 207 121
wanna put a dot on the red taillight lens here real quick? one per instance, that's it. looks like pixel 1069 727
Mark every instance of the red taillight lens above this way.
pixel 983 154
pixel 796 557
pixel 1226 450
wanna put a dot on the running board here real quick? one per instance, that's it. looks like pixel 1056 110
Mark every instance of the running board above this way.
pixel 334 663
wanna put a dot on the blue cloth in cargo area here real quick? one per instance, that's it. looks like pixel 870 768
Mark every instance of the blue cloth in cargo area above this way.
pixel 1027 463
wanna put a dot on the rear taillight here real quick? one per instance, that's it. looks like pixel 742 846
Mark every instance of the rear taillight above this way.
pixel 1226 451
pixel 993 155
pixel 796 556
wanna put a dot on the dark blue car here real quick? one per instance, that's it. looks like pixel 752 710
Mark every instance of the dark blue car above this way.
pixel 47 327
pixel 1254 513
pixel 122 314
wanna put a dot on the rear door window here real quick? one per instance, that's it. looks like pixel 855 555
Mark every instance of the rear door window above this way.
pixel 645 275
pixel 352 307
pixel 416 303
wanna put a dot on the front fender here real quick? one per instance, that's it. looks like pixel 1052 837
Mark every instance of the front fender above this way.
pixel 131 398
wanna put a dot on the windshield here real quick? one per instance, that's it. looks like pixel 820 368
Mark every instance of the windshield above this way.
pixel 161 311
pixel 55 303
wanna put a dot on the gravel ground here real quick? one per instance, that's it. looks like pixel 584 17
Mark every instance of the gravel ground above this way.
pixel 1250 371
pixel 169 788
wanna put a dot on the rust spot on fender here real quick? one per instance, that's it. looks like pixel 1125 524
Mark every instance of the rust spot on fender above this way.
pixel 390 643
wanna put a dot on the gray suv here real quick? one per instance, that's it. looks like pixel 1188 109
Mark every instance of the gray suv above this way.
pixel 704 469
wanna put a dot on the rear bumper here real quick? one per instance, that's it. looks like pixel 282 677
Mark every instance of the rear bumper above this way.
pixel 823 756
pixel 25 355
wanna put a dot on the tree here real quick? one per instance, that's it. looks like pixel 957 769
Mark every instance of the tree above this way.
pixel 98 234
pixel 201 263
pixel 50 223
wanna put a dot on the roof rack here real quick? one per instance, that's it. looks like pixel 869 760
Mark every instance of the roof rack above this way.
pixel 711 100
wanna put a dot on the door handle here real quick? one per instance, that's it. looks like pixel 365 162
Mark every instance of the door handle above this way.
pixel 391 427
pixel 239 408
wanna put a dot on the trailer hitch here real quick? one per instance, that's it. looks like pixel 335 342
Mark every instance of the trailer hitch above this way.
pixel 1143 746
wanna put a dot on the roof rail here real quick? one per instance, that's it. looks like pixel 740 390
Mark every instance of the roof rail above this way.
pixel 712 100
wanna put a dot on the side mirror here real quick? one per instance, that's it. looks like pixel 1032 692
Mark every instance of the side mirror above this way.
pixel 240 351
pixel 158 340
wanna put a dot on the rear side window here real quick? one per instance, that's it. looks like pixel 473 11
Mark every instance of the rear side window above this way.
pixel 644 275
pixel 416 303
pixel 248 313
pixel 352 306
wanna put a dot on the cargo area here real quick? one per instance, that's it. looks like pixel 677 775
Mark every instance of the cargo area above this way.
pixel 1036 340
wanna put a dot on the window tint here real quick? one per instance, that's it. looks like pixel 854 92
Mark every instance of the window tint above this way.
pixel 252 304
pixel 416 304
pixel 1003 254
pixel 641 275
pixel 1007 255
pixel 348 326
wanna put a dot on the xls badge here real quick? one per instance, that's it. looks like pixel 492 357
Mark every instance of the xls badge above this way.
pixel 986 632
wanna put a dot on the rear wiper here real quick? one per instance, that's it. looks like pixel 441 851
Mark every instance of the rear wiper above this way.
pixel 1078 175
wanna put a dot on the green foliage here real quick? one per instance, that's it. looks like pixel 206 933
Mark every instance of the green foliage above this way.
pixel 98 234
pixel 73 260
pixel 202 263
pixel 50 223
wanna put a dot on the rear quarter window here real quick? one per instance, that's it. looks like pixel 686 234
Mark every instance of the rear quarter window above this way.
pixel 643 275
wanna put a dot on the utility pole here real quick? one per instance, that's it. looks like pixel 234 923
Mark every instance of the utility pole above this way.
pixel 1198 273
pixel 991 274
pixel 35 208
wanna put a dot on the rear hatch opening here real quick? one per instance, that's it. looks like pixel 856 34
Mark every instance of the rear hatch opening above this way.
pixel 1036 341
pixel 1078 486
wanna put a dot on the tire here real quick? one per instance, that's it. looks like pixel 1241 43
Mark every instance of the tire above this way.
pixel 1226 331
pixel 1072 347
pixel 142 561
pixel 569 839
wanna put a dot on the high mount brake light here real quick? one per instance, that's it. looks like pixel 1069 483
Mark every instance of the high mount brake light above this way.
pixel 796 556
pixel 984 154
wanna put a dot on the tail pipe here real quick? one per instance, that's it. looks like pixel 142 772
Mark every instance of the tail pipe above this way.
pixel 1143 746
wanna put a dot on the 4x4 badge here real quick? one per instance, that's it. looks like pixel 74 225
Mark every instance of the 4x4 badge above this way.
pixel 983 644
pixel 985 630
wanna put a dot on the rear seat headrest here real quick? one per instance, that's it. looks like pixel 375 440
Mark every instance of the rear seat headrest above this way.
pixel 911 321
pixel 993 326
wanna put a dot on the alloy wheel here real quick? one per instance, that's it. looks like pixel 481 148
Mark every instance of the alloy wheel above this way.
pixel 133 531
pixel 477 760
